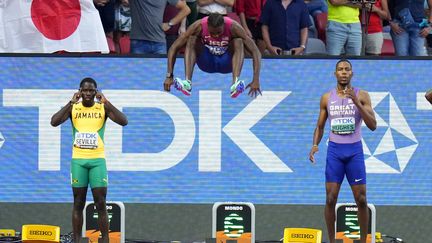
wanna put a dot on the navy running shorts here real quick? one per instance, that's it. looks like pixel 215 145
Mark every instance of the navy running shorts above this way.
pixel 210 63
pixel 345 159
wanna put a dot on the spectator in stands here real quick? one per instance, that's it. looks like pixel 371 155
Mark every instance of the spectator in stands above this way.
pixel 123 18
pixel 249 12
pixel 374 39
pixel 429 36
pixel 316 7
pixel 206 7
pixel 285 26
pixel 107 14
pixel 344 34
pixel 147 33
pixel 175 30
pixel 409 26
pixel 192 17
pixel 100 3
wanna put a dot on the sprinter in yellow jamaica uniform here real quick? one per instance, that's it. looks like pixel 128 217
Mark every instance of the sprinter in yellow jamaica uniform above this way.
pixel 88 164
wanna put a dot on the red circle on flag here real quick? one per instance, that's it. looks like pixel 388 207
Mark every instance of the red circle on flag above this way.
pixel 56 19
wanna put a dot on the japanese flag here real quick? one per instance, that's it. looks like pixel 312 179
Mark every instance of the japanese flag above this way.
pixel 46 26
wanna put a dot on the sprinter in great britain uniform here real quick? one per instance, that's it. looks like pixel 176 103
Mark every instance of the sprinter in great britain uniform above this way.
pixel 216 44
pixel 88 164
pixel 345 107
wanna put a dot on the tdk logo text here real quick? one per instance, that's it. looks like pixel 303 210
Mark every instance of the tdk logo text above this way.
pixel 209 124
pixel 209 121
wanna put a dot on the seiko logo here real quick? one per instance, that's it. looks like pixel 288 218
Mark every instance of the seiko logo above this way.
pixel 40 232
pixel 303 236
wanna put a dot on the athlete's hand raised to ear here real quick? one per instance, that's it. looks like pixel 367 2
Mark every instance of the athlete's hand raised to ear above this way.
pixel 254 88
pixel 100 97
pixel 76 97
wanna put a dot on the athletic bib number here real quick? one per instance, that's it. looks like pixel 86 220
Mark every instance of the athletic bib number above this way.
pixel 343 125
pixel 86 140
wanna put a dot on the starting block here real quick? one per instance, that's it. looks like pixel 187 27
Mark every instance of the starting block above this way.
pixel 38 233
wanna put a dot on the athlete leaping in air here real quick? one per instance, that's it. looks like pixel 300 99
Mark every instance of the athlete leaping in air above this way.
pixel 216 43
